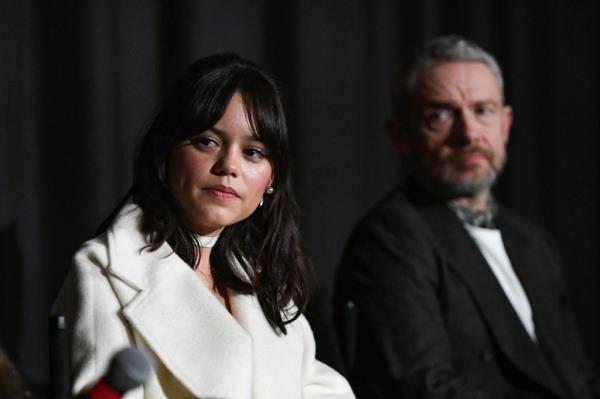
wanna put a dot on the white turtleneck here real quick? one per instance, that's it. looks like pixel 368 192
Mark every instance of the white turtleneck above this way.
pixel 207 241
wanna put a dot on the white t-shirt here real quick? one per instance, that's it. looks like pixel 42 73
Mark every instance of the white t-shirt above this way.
pixel 492 248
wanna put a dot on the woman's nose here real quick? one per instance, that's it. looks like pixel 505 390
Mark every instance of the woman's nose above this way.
pixel 227 164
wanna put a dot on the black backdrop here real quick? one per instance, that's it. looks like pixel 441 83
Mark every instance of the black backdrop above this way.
pixel 79 81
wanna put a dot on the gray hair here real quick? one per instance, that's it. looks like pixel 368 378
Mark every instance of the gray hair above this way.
pixel 438 51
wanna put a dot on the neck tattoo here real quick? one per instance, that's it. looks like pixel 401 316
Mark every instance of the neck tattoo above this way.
pixel 480 218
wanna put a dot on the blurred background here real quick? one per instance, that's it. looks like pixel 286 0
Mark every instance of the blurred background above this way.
pixel 80 81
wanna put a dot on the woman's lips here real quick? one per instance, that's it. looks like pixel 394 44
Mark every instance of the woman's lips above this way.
pixel 222 192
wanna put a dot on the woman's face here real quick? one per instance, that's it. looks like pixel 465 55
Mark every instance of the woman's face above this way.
pixel 219 176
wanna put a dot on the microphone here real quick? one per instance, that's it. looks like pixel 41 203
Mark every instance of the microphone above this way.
pixel 59 358
pixel 128 369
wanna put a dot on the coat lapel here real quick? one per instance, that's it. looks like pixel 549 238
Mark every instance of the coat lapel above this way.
pixel 275 360
pixel 193 335
pixel 466 259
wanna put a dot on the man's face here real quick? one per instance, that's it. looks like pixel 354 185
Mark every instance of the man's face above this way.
pixel 459 128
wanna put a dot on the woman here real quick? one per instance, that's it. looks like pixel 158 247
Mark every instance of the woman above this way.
pixel 202 267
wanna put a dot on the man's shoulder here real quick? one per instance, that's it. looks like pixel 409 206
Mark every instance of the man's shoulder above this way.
pixel 397 214
pixel 392 236
pixel 394 201
pixel 394 208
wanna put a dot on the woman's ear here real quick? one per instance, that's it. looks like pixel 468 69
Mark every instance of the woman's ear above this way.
pixel 271 180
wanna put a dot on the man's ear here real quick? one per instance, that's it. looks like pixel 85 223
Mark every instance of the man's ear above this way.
pixel 398 133
pixel 507 119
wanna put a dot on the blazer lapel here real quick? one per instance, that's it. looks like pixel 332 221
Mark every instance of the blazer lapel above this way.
pixel 533 266
pixel 466 259
pixel 528 263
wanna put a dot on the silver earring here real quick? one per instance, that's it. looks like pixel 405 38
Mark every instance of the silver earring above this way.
pixel 270 190
pixel 262 201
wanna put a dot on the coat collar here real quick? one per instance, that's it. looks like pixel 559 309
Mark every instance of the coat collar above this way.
pixel 449 234
pixel 194 336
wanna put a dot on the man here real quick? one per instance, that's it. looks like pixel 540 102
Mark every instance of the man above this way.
pixel 454 295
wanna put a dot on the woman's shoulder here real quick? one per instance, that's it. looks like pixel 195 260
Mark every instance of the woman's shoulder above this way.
pixel 126 227
pixel 93 252
pixel 121 237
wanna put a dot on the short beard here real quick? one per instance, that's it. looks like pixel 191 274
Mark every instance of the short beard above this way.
pixel 457 187
pixel 447 184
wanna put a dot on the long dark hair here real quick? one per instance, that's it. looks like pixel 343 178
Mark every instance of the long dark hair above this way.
pixel 267 244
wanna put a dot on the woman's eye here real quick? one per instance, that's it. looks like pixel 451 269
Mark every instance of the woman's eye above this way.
pixel 204 142
pixel 255 153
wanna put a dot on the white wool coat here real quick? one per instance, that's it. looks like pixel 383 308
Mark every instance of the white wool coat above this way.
pixel 117 295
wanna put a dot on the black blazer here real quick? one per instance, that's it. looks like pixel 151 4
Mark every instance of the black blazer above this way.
pixel 432 320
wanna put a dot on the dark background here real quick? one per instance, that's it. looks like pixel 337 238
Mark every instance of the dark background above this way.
pixel 80 80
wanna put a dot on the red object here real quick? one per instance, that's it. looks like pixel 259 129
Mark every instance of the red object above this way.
pixel 103 391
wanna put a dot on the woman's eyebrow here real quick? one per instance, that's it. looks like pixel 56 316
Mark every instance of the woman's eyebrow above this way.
pixel 217 131
pixel 223 133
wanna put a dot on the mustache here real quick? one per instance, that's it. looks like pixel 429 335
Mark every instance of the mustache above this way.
pixel 459 154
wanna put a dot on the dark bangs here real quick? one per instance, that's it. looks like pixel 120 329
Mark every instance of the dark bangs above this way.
pixel 265 113
pixel 205 90
pixel 200 98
